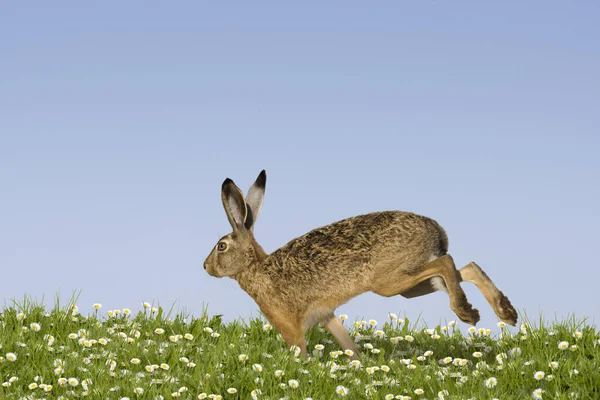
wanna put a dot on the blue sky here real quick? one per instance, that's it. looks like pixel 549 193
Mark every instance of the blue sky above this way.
pixel 119 122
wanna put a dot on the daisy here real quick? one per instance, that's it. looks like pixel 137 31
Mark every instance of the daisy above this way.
pixel 257 367
pixel 539 375
pixel 342 391
pixel 293 383
pixel 537 393
pixel 491 382
pixel 563 346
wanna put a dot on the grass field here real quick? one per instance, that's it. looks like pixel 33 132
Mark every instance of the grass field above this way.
pixel 61 354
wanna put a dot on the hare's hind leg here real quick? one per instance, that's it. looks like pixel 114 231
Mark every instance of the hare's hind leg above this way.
pixel 336 328
pixel 443 267
pixel 425 287
pixel 499 302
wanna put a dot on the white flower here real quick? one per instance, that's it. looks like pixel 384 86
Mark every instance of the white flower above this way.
pixel 537 393
pixel 293 383
pixel 419 391
pixel 539 375
pixel 257 367
pixel 138 390
pixel 562 346
pixel 342 391
pixel 491 382
pixel 232 390
pixel 97 306
pixel 11 357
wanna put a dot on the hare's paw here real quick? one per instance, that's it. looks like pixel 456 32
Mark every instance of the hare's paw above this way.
pixel 505 310
pixel 468 314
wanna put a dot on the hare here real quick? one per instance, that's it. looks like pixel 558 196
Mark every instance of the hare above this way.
pixel 303 282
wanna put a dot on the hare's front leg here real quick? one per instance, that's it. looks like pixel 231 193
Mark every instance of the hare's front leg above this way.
pixel 291 331
pixel 336 328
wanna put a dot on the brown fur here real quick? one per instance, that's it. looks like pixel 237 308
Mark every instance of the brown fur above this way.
pixel 303 282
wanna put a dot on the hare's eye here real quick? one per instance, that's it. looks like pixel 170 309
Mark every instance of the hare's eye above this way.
pixel 221 246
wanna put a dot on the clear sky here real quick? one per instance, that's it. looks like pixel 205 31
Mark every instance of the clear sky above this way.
pixel 119 122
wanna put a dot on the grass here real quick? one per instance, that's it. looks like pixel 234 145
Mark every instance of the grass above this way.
pixel 61 354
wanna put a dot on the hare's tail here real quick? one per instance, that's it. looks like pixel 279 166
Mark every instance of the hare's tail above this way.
pixel 442 240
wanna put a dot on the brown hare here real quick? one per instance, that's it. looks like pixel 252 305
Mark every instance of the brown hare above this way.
pixel 303 282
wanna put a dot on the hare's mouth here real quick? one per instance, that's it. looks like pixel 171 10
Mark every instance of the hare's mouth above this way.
pixel 214 271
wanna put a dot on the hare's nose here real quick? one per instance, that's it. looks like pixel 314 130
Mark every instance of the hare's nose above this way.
pixel 205 265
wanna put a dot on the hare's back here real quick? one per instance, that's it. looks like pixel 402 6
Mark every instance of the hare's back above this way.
pixel 363 239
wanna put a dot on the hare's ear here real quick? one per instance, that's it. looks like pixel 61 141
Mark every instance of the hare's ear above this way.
pixel 254 199
pixel 234 204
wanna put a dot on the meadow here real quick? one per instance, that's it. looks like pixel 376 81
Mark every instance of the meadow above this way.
pixel 59 353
